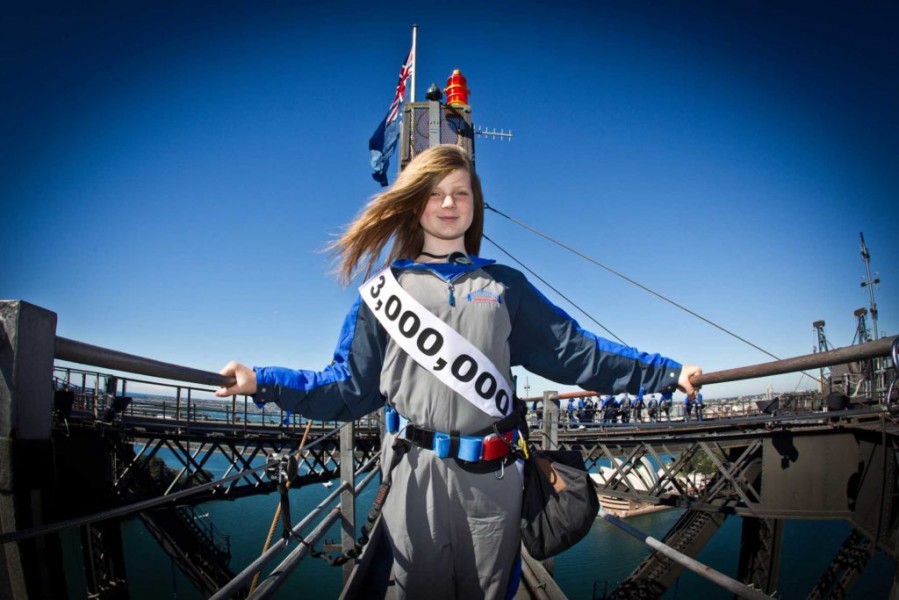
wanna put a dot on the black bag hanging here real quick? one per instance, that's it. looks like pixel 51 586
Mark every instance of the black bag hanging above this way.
pixel 560 502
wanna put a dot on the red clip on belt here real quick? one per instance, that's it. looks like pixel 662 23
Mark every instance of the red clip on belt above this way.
pixel 497 446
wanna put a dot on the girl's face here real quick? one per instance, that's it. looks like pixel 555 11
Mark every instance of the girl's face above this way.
pixel 448 213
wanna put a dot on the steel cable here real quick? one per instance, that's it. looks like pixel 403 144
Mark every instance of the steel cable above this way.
pixel 633 282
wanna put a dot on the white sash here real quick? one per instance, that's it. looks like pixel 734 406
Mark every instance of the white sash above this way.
pixel 436 346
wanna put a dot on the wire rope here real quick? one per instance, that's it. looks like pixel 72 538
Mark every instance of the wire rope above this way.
pixel 277 515
pixel 550 286
pixel 633 282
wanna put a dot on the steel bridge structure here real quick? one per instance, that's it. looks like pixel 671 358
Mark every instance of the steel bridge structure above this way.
pixel 152 458
pixel 763 470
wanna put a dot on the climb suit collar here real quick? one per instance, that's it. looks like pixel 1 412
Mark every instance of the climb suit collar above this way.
pixel 446 271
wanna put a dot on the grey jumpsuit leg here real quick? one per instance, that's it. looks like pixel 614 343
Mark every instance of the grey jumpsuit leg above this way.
pixel 454 534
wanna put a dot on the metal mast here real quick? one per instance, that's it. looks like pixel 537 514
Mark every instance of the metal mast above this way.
pixel 823 346
pixel 870 283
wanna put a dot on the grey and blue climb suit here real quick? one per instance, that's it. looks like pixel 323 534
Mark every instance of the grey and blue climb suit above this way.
pixel 455 533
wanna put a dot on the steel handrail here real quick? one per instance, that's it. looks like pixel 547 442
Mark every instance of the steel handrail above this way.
pixel 869 350
pixel 82 353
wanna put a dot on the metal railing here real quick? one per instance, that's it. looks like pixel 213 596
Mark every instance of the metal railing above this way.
pixel 185 408
pixel 99 396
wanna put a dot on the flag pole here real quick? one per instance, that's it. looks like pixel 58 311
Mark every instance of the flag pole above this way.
pixel 414 61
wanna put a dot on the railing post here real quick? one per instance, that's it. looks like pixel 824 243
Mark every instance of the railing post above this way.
pixel 30 568
pixel 551 420
pixel 348 495
pixel 178 407
pixel 96 396
pixel 191 411
pixel 550 442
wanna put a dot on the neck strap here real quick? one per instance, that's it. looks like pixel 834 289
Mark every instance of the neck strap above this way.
pixel 437 256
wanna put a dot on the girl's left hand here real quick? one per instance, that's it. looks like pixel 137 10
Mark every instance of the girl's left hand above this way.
pixel 684 384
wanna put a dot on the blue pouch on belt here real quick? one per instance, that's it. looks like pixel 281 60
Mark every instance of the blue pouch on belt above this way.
pixel 470 448
pixel 441 444
pixel 391 419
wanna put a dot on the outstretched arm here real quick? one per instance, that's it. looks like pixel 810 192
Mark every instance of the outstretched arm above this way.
pixel 547 341
pixel 245 380
pixel 346 389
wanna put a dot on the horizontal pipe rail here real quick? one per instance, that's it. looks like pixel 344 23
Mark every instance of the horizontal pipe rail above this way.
pixel 82 353
pixel 818 360
pixel 740 589
pixel 79 352
pixel 869 350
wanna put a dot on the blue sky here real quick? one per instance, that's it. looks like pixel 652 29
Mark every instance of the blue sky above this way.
pixel 172 171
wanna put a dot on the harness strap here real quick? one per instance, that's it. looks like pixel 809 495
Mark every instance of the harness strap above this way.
pixel 400 447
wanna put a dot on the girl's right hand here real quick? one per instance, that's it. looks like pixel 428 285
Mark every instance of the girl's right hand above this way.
pixel 244 380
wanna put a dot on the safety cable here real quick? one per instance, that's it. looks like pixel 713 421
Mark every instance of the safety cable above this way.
pixel 227 591
pixel 277 515
pixel 628 279
pixel 550 286
pixel 122 511
pixel 636 283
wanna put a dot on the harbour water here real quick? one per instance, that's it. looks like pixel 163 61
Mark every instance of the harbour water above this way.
pixel 590 569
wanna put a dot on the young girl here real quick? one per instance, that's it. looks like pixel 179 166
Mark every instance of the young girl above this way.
pixel 435 336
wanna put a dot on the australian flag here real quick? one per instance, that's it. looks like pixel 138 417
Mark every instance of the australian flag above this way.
pixel 382 144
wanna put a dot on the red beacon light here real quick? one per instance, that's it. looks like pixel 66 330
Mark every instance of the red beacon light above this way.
pixel 456 89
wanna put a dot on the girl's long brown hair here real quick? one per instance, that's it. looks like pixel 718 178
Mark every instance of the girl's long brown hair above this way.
pixel 395 215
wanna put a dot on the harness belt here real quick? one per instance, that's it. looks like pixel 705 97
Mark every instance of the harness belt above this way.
pixel 467 448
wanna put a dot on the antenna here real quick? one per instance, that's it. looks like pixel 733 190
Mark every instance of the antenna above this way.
pixel 823 346
pixel 870 283
pixel 502 134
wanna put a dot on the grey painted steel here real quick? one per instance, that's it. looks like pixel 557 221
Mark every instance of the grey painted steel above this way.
pixel 279 575
pixel 434 114
pixel 254 567
pixel 373 569
pixel 850 559
pixel 87 354
pixel 536 581
pixel 348 497
pixel 14 536
pixel 740 589
pixel 27 334
pixel 550 420
pixel 657 572
pixel 80 352
pixel 26 361
pixel 761 545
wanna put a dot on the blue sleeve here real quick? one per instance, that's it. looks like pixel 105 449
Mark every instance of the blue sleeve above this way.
pixel 347 389
pixel 548 342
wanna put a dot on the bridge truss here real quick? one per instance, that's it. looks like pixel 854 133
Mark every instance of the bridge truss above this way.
pixel 145 458
pixel 764 470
